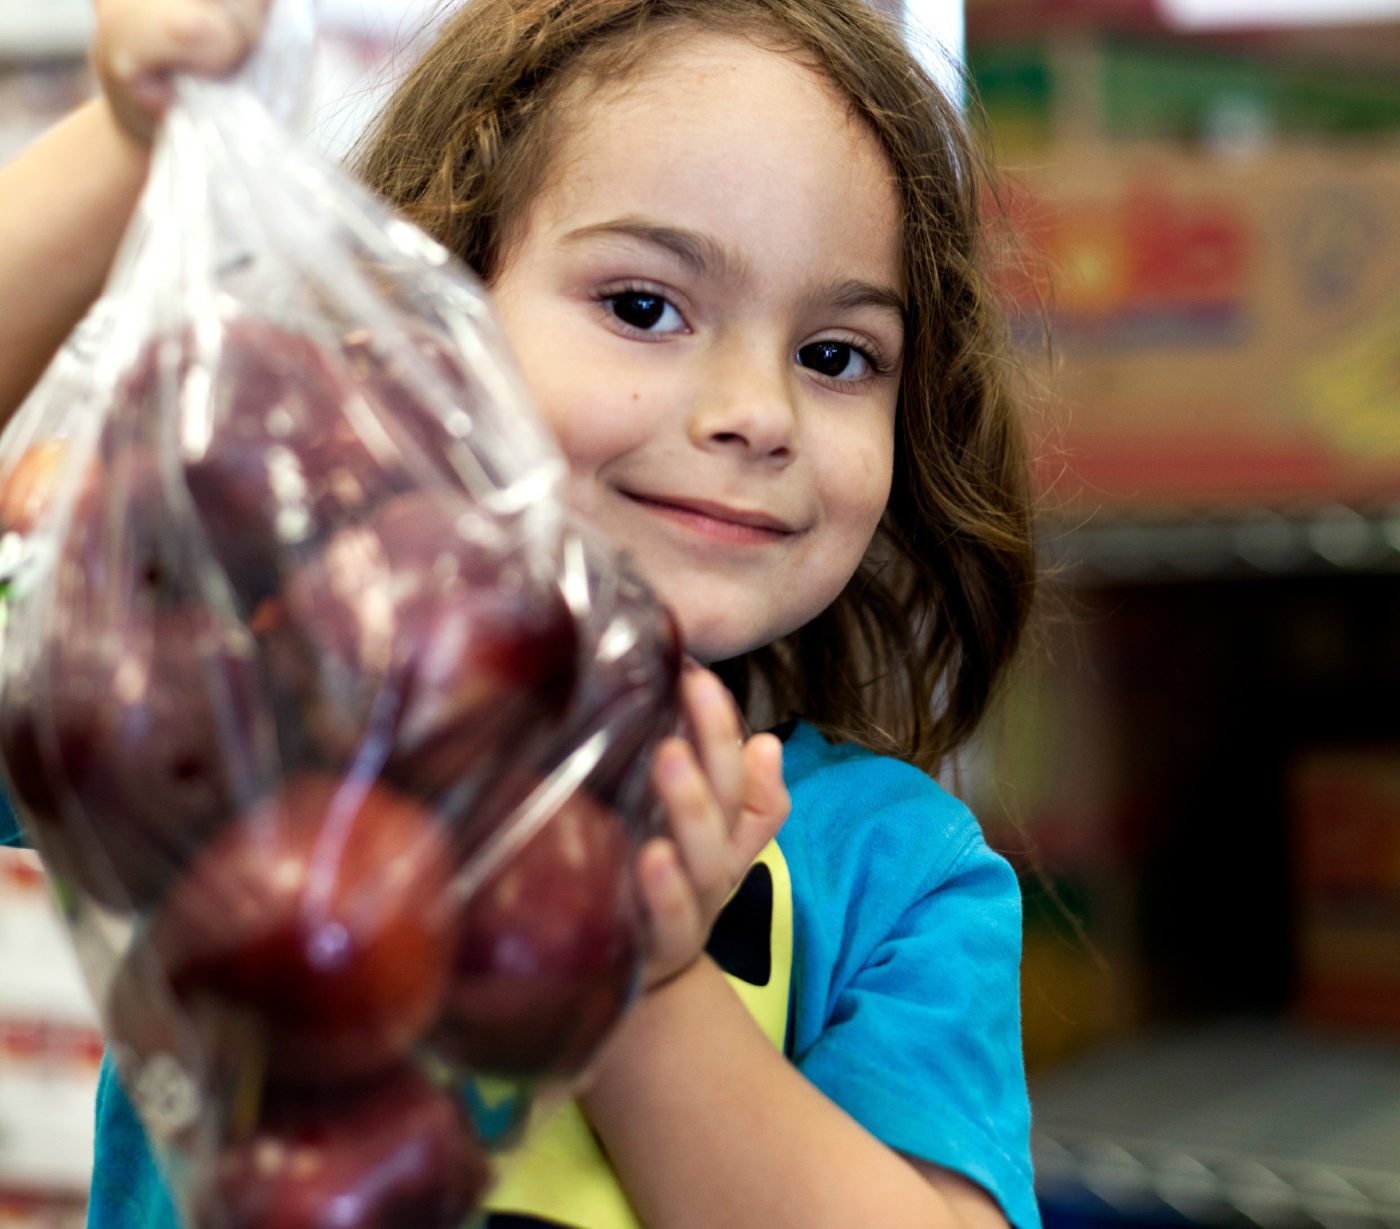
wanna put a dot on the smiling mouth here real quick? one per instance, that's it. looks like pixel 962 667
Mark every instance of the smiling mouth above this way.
pixel 716 520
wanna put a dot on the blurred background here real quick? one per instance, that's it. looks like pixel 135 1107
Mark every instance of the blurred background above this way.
pixel 1197 767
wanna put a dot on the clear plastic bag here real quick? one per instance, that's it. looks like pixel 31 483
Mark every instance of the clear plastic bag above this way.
pixel 332 727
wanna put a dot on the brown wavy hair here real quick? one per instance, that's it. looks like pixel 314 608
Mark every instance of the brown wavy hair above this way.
pixel 906 659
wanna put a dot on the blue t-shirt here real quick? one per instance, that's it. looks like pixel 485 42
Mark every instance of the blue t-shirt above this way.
pixel 906 970
pixel 9 825
pixel 896 936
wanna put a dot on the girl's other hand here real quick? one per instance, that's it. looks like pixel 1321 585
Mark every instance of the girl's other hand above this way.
pixel 139 43
pixel 725 800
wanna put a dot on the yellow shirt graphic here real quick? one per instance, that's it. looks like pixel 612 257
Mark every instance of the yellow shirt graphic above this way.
pixel 559 1172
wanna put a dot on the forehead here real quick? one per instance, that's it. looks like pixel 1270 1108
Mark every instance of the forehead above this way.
pixel 717 130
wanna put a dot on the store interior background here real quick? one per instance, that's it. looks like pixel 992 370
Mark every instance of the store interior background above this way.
pixel 1197 767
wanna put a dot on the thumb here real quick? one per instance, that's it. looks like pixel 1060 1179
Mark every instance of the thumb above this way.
pixel 766 802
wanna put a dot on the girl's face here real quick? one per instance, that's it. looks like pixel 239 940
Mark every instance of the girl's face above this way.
pixel 706 304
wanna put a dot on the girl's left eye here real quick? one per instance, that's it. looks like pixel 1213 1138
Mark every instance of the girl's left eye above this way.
pixel 645 310
pixel 838 360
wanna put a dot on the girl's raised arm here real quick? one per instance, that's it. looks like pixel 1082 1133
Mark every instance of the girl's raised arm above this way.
pixel 65 200
pixel 64 203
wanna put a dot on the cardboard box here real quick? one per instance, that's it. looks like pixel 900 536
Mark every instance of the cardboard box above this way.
pixel 1085 80
pixel 1346 825
pixel 1345 813
pixel 1349 971
pixel 1225 330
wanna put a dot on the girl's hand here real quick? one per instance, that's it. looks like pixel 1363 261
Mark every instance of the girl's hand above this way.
pixel 725 800
pixel 139 43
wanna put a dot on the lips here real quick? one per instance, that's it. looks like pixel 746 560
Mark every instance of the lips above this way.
pixel 747 518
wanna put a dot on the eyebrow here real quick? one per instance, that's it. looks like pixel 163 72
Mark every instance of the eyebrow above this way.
pixel 699 253
pixel 704 256
pixel 856 293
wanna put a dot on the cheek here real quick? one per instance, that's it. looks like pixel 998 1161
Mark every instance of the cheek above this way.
pixel 559 412
pixel 585 420
pixel 553 382
pixel 595 415
pixel 860 486
pixel 537 330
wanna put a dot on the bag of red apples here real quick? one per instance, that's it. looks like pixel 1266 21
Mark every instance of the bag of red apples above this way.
pixel 330 724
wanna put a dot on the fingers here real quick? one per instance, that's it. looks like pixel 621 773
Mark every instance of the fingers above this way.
pixel 677 926
pixel 725 799
pixel 686 879
pixel 766 801
pixel 140 43
pixel 699 826
pixel 715 731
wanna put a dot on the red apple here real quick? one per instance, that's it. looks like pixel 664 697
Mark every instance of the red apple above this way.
pixel 281 441
pixel 491 652
pixel 429 603
pixel 391 1155
pixel 292 452
pixel 419 357
pixel 322 917
pixel 629 689
pixel 419 384
pixel 123 543
pixel 131 743
pixel 28 767
pixel 307 438
pixel 548 949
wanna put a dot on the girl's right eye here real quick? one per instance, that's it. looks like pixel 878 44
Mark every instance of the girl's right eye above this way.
pixel 644 310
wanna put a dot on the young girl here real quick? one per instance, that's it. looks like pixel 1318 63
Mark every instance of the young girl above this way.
pixel 735 245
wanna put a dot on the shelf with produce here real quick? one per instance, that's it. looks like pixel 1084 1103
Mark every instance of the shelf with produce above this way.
pixel 1117 547
pixel 1201 759
pixel 1237 1124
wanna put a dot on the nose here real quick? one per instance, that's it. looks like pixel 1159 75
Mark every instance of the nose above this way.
pixel 746 406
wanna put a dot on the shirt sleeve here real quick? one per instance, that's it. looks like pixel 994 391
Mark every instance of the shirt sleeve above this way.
pixel 127 1191
pixel 923 1045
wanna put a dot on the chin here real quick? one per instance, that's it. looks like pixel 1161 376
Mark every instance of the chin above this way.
pixel 707 649
pixel 708 640
pixel 718 619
